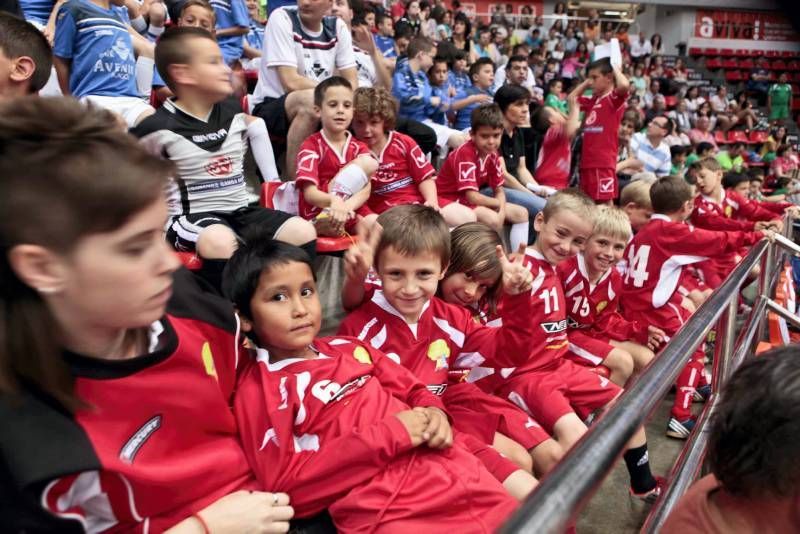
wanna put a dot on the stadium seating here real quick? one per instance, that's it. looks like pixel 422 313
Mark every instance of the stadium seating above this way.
pixel 758 136
pixel 190 260
pixel 733 76
pixel 714 63
pixel 720 137
pixel 737 136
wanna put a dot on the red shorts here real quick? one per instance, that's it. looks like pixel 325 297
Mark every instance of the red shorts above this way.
pixel 445 200
pixel 585 348
pixel 481 415
pixel 600 184
pixel 552 392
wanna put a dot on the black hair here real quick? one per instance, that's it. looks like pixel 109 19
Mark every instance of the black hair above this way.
pixel 327 83
pixel 677 150
pixel 602 64
pixel 403 30
pixel 754 437
pixel 480 62
pixel 669 193
pixel 243 270
pixel 509 94
pixel 703 147
pixel 552 83
pixel 173 49
pixel 732 179
pixel 20 38
pixel 517 58
pixel 464 19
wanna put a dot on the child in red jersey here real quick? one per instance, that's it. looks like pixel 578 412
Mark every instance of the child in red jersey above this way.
pixel 474 281
pixel 716 208
pixel 338 422
pixel 404 319
pixel 556 391
pixel 656 258
pixel 555 155
pixel 333 169
pixel 598 334
pixel 741 184
pixel 404 175
pixel 474 166
pixel 604 109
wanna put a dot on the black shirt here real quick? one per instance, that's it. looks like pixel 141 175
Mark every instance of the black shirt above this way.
pixel 512 147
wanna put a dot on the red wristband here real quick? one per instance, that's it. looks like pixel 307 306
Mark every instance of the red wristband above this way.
pixel 203 524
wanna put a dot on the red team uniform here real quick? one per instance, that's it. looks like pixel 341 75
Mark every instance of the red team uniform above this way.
pixel 465 171
pixel 447 339
pixel 656 258
pixel 733 212
pixel 598 174
pixel 593 310
pixel 402 167
pixel 555 157
pixel 329 423
pixel 318 163
pixel 547 386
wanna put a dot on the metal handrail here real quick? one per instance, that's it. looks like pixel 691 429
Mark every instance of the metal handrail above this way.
pixel 564 491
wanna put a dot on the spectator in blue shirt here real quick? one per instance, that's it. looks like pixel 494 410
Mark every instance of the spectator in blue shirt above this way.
pixel 410 82
pixel 384 39
pixel 482 75
pixel 233 22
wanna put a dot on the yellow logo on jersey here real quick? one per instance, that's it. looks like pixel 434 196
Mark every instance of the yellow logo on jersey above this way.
pixel 362 355
pixel 438 351
pixel 602 306
pixel 728 211
pixel 208 361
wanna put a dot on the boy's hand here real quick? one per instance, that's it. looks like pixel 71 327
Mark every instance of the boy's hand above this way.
pixel 435 101
pixel 415 422
pixel 451 91
pixel 433 204
pixel 480 98
pixel 248 511
pixel 516 277
pixel 655 336
pixel 338 211
pixel 793 212
pixel 775 224
pixel 361 254
pixel 438 433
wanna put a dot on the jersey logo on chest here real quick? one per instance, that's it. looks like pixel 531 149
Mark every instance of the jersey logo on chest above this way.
pixel 131 448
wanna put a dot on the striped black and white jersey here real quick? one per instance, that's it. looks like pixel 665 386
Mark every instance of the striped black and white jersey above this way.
pixel 209 155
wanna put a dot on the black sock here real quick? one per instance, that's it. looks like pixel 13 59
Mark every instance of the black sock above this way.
pixel 211 272
pixel 638 465
pixel 311 249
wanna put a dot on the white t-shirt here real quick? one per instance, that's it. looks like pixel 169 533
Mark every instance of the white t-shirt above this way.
pixel 367 77
pixel 316 55
pixel 500 79
pixel 639 49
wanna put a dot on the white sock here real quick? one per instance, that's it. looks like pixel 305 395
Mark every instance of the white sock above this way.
pixel 518 235
pixel 144 75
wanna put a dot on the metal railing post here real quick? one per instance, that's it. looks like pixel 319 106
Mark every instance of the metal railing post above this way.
pixel 723 344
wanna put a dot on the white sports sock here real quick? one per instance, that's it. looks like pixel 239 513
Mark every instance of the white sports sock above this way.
pixel 144 75
pixel 518 235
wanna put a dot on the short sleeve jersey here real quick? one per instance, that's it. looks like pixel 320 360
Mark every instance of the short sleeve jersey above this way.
pixel 553 164
pixel 781 94
pixel 315 55
pixel 209 154
pixel 401 168
pixel 37 10
pixel 464 171
pixel 230 14
pixel 255 36
pixel 365 67
pixel 100 49
pixel 317 164
pixel 600 129
pixel 386 46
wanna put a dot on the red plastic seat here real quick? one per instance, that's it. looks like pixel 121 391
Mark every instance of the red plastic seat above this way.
pixel 671 101
pixel 251 75
pixel 747 64
pixel 334 246
pixel 795 104
pixel 711 52
pixel 758 136
pixel 726 52
pixel 771 53
pixel 778 64
pixel 155 101
pixel 730 64
pixel 714 63
pixel 695 52
pixel 787 53
pixel 720 137
pixel 733 76
pixel 190 260
pixel 737 136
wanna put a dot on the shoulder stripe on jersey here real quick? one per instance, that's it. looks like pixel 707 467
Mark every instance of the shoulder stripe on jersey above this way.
pixel 455 335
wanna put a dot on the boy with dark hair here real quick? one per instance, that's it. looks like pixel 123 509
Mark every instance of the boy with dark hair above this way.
pixel 333 168
pixel 205 132
pixel 481 74
pixel 25 57
pixel 604 109
pixel 476 165
pixel 655 263
pixel 384 38
pixel 233 23
pixel 701 150
pixel 99 58
pixel 459 74
pixel 752 452
pixel 336 420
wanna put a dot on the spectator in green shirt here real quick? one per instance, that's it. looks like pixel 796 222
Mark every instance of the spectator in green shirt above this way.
pixel 732 158
pixel 701 150
pixel 678 154
pixel 553 98
pixel 779 98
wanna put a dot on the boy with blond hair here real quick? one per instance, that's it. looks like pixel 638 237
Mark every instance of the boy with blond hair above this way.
pixel 635 202
pixel 598 334
pixel 553 389
pixel 656 258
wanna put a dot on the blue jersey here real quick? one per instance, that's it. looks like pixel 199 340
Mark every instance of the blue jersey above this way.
pixel 255 37
pixel 464 115
pixel 459 80
pixel 37 10
pixel 413 91
pixel 97 42
pixel 230 14
pixel 385 45
pixel 436 114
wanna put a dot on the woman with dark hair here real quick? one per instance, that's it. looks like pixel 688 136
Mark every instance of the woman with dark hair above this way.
pixel 657 44
pixel 462 28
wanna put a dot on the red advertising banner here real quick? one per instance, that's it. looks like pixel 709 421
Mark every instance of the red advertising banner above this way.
pixel 748 25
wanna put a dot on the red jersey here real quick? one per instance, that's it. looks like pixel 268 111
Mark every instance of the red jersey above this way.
pixel 594 308
pixel 445 337
pixel 157 441
pixel 465 171
pixel 555 156
pixel 600 129
pixel 732 212
pixel 402 167
pixel 324 430
pixel 318 163
pixel 655 259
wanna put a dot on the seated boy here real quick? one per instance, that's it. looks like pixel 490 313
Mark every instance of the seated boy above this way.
pixel 95 55
pixel 598 333
pixel 635 202
pixel 25 58
pixel 337 424
pixel 554 390
pixel 403 318
pixel 656 258
pixel 204 133
pixel 740 184
pixel 232 24
pixel 333 168
pixel 473 166
pixel 467 99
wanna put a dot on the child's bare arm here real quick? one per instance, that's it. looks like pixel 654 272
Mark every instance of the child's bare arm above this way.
pixel 476 198
pixel 622 82
pixel 357 262
pixel 427 188
pixel 62 66
pixel 359 198
pixel 573 117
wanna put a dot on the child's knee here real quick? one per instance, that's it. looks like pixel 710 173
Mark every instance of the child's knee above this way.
pixel 546 455
pixel 296 231
pixel 516 213
pixel 621 361
pixel 216 242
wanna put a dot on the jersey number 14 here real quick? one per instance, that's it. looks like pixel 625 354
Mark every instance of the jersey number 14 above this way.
pixel 637 265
